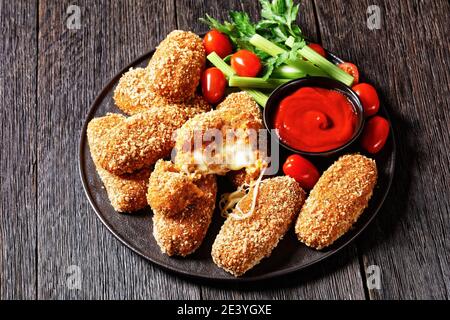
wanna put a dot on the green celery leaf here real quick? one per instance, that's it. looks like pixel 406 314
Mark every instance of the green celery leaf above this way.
pixel 243 24
pixel 294 13
pixel 266 9
pixel 214 24
pixel 279 7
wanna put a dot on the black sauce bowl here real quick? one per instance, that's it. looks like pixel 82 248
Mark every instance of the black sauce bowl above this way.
pixel 321 82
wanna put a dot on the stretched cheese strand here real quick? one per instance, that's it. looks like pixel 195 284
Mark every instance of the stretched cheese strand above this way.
pixel 229 201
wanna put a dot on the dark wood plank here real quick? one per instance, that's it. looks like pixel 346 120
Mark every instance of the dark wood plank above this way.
pixel 73 67
pixel 338 278
pixel 189 12
pixel 408 61
pixel 18 51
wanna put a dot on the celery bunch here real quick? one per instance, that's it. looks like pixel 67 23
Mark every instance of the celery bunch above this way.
pixel 277 40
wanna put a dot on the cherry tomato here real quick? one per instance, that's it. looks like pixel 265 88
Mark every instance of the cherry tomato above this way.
pixel 246 63
pixel 215 41
pixel 213 85
pixel 318 48
pixel 302 170
pixel 351 69
pixel 369 98
pixel 375 134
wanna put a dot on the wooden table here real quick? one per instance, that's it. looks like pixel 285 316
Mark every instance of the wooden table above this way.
pixel 50 74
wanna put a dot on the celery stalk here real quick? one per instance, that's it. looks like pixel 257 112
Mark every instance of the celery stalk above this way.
pixel 266 45
pixel 258 96
pixel 331 69
pixel 274 50
pixel 220 64
pixel 250 82
pixel 307 67
pixel 290 42
pixel 326 67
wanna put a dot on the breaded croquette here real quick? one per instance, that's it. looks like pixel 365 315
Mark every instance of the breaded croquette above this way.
pixel 133 94
pixel 242 243
pixel 176 66
pixel 238 113
pixel 170 192
pixel 126 193
pixel 336 201
pixel 182 233
pixel 142 139
pixel 242 102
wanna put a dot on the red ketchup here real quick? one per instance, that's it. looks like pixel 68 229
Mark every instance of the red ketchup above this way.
pixel 315 120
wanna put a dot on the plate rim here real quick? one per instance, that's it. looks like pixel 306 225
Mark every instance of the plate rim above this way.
pixel 180 271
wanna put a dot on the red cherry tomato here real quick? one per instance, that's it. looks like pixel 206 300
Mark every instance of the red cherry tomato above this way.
pixel 213 85
pixel 369 98
pixel 215 41
pixel 351 69
pixel 246 63
pixel 302 170
pixel 375 134
pixel 318 48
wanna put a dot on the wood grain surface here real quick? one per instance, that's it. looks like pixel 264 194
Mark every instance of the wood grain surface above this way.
pixel 50 75
pixel 18 192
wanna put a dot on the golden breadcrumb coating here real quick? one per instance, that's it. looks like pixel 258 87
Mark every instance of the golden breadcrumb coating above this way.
pixel 126 193
pixel 133 94
pixel 170 192
pixel 176 66
pixel 237 112
pixel 336 201
pixel 142 139
pixel 181 234
pixel 242 102
pixel 241 244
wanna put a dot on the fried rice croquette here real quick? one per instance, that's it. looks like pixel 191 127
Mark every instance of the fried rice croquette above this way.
pixel 336 201
pixel 126 193
pixel 181 228
pixel 176 66
pixel 238 112
pixel 140 140
pixel 243 243
pixel 133 94
pixel 170 192
pixel 242 102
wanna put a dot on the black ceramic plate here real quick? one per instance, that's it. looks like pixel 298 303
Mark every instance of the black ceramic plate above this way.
pixel 135 230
